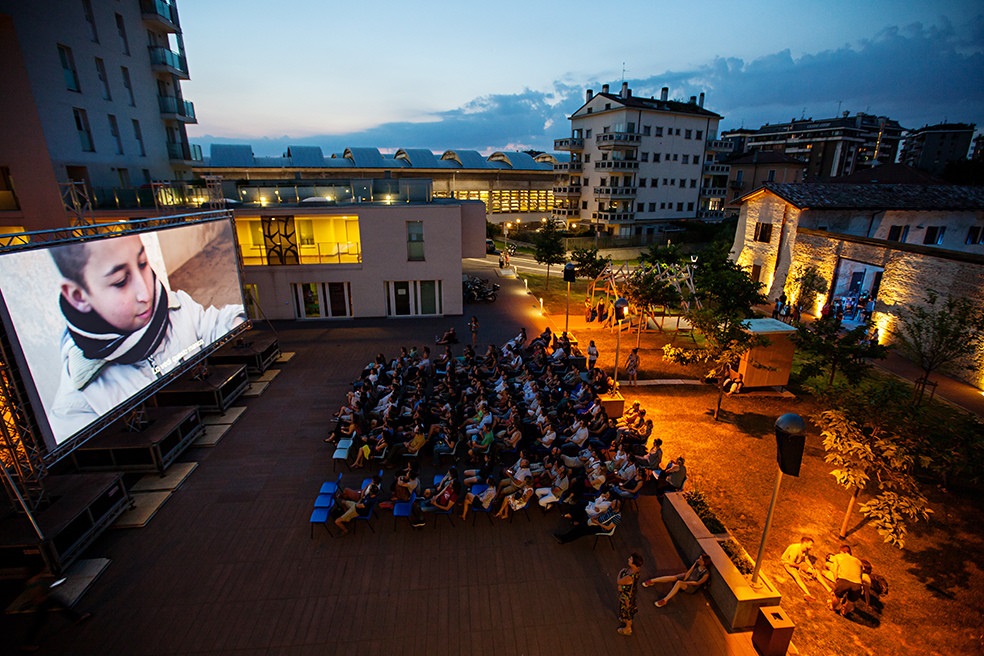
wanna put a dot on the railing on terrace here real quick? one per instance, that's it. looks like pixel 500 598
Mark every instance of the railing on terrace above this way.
pixel 174 105
pixel 328 252
pixel 161 56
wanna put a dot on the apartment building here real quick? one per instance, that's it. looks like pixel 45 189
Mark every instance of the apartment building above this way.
pixel 98 83
pixel 931 147
pixel 749 171
pixel 831 147
pixel 636 163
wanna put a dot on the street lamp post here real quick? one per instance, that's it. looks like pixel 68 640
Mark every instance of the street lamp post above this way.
pixel 620 305
pixel 505 233
pixel 790 439
pixel 569 277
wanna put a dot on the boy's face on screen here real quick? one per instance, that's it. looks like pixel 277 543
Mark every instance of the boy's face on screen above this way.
pixel 119 283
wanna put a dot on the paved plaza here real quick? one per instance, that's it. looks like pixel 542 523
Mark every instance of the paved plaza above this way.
pixel 227 565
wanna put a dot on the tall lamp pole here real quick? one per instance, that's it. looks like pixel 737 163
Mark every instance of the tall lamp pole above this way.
pixel 506 237
pixel 570 275
pixel 790 440
pixel 620 305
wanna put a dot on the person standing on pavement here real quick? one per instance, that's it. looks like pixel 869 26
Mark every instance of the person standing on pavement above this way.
pixel 632 366
pixel 592 355
pixel 473 327
pixel 627 582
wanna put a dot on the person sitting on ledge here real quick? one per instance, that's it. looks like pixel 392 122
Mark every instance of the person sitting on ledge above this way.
pixel 449 337
pixel 689 581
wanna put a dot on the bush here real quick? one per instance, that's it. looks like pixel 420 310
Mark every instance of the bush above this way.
pixel 697 501
pixel 738 556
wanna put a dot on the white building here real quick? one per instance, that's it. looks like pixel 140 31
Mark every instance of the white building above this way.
pixel 638 162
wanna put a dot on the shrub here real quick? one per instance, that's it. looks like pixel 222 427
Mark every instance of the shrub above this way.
pixel 697 501
pixel 738 556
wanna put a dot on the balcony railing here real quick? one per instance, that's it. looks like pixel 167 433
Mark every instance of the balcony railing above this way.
pixel 615 215
pixel 568 167
pixel 160 12
pixel 617 165
pixel 713 192
pixel 572 143
pixel 609 140
pixel 614 192
pixel 171 106
pixel 717 169
pixel 571 191
pixel 563 212
pixel 719 145
pixel 170 60
pixel 185 152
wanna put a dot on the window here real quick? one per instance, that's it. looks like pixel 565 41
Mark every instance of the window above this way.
pixel 898 233
pixel 82 126
pixel 699 134
pixel 121 30
pixel 8 199
pixel 662 206
pixel 587 158
pixel 608 105
pixel 934 235
pixel 756 273
pixel 101 72
pixel 679 207
pixel 659 131
pixel 665 182
pixel 646 130
pixel 114 129
pixel 146 175
pixel 91 20
pixel 642 182
pixel 683 183
pixel 687 134
pixel 675 157
pixel 655 182
pixel 975 235
pixel 652 207
pixel 125 72
pixel 138 135
pixel 693 183
pixel 672 181
pixel 690 207
pixel 124 175
pixel 677 132
pixel 772 176
pixel 763 232
pixel 644 157
pixel 696 159
pixel 640 207
pixel 584 204
pixel 415 241
pixel 686 159
pixel 68 69
pixel 587 133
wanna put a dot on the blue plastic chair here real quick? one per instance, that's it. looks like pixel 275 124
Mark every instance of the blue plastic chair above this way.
pixel 330 487
pixel 320 516
pixel 477 489
pixel 367 518
pixel 403 508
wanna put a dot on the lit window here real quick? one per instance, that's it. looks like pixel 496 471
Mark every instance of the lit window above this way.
pixel 415 241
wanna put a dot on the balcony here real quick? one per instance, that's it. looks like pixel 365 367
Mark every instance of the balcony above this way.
pixel 571 144
pixel 573 191
pixel 168 61
pixel 177 109
pixel 184 152
pixel 612 216
pixel 713 192
pixel 717 169
pixel 614 193
pixel 161 14
pixel 719 145
pixel 568 167
pixel 617 140
pixel 565 212
pixel 617 165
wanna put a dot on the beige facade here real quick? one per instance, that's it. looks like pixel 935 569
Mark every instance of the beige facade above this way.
pixel 895 254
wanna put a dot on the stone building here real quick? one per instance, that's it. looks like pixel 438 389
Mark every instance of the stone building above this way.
pixel 890 242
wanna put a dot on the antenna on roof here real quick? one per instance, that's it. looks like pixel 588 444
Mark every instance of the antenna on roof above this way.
pixel 623 72
pixel 838 107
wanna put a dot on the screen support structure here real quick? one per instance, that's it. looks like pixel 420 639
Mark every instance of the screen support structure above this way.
pixel 136 420
pixel 20 448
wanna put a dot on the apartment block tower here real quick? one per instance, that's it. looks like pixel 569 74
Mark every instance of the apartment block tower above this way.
pixel 637 162
pixel 831 147
pixel 92 95
pixel 931 147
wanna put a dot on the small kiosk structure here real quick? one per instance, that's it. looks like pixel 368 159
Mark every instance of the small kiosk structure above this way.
pixel 768 365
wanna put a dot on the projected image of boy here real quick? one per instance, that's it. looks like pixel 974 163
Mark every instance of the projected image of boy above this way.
pixel 124 329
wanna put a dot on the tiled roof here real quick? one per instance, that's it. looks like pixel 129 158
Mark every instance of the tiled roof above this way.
pixel 824 195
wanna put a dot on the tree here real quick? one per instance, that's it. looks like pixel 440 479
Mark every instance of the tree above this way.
pixel 587 262
pixel 726 295
pixel 864 453
pixel 809 282
pixel 646 290
pixel 827 350
pixel 662 255
pixel 549 248
pixel 939 333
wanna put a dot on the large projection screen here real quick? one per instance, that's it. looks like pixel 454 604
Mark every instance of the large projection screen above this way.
pixel 101 321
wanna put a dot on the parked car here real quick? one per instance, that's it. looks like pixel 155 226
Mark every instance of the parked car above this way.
pixel 490 247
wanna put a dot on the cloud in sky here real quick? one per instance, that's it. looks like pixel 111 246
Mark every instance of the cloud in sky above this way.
pixel 916 74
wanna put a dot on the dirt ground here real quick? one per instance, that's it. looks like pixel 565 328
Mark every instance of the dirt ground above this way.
pixel 936 592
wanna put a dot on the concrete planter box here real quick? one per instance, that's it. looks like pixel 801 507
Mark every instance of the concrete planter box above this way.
pixel 735 600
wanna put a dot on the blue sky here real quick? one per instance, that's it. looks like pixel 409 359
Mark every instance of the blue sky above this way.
pixel 506 75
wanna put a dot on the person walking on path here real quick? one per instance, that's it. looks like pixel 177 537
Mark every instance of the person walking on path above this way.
pixel 592 355
pixel 632 366
pixel 627 581
pixel 473 327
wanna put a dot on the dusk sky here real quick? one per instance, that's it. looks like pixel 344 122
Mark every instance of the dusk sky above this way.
pixel 507 75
